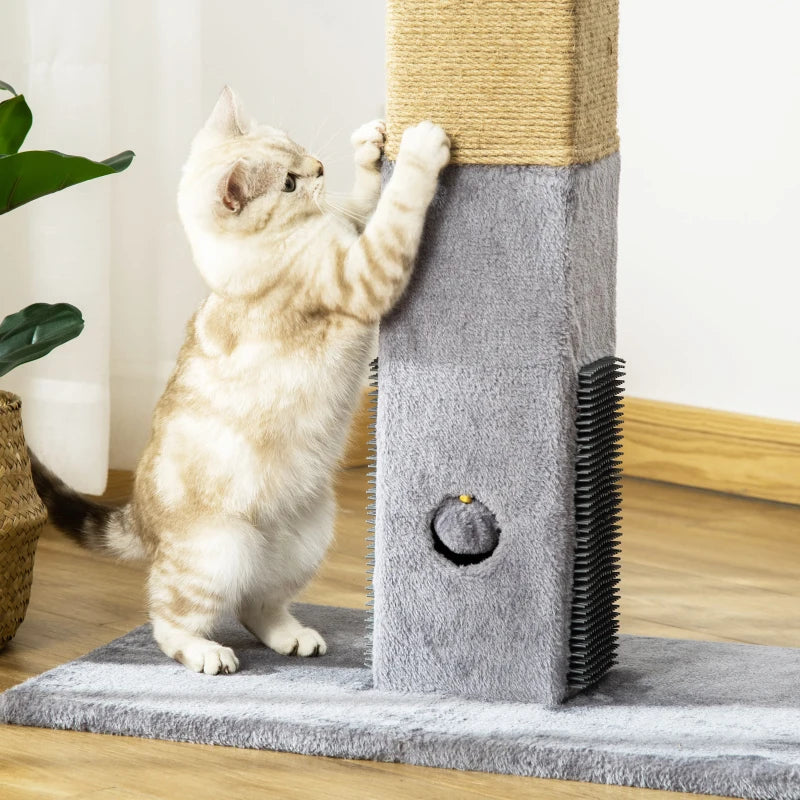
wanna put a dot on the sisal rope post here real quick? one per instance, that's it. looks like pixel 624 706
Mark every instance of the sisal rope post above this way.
pixel 522 82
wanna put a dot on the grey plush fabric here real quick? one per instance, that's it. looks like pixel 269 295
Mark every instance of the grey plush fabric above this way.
pixel 513 291
pixel 681 715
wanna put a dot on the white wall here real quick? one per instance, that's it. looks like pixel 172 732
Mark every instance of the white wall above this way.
pixel 709 118
pixel 709 261
pixel 313 68
pixel 709 255
pixel 709 271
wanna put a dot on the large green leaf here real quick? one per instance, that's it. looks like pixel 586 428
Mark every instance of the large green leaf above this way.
pixel 15 122
pixel 35 331
pixel 34 173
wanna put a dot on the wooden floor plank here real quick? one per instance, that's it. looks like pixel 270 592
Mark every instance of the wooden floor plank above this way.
pixel 695 565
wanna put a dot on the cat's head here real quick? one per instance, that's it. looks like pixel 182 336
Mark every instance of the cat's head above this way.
pixel 242 179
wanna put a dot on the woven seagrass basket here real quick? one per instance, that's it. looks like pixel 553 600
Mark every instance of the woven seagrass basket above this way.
pixel 22 517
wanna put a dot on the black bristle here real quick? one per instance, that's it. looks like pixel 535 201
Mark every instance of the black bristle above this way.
pixel 595 591
pixel 372 449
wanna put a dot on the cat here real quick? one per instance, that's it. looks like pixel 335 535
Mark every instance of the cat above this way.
pixel 232 502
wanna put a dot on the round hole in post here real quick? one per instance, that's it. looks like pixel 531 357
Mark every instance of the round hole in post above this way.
pixel 464 530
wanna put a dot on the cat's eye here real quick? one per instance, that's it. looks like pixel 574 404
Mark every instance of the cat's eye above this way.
pixel 290 184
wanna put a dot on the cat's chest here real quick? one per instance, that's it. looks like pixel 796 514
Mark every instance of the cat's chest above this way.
pixel 286 379
pixel 265 413
pixel 315 360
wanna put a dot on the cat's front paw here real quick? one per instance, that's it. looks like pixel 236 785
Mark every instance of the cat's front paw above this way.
pixel 426 143
pixel 368 141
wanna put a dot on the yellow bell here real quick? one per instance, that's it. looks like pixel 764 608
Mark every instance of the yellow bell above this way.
pixel 465 498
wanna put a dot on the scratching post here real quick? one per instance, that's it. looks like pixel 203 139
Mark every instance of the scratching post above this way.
pixel 497 404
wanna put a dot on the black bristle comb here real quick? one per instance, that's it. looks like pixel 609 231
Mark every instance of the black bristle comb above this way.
pixel 595 589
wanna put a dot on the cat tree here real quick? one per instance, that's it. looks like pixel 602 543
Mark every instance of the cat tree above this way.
pixel 494 482
pixel 507 329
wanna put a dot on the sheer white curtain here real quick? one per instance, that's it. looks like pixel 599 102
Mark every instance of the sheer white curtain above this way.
pixel 58 248
pixel 103 76
pixel 159 101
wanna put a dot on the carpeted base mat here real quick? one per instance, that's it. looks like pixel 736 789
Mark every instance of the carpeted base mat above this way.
pixel 689 716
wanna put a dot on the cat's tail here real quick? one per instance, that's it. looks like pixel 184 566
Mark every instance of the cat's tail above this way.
pixel 94 526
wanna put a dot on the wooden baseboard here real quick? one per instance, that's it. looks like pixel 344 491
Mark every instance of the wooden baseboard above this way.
pixel 703 448
pixel 718 450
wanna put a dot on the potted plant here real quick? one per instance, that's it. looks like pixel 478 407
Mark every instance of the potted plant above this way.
pixel 24 336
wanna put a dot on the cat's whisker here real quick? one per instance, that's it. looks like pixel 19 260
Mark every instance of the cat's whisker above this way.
pixel 320 205
pixel 346 212
pixel 320 127
pixel 331 139
pixel 333 161
pixel 353 204
pixel 349 212
pixel 330 156
pixel 349 195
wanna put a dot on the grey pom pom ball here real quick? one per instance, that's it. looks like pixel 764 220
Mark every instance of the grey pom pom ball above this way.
pixel 464 530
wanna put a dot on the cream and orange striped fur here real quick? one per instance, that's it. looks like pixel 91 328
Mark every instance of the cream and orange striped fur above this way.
pixel 232 503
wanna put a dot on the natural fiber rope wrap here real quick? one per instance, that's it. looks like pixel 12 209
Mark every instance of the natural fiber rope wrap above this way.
pixel 511 81
pixel 22 517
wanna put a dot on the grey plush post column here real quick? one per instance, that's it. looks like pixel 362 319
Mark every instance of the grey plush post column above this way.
pixel 478 422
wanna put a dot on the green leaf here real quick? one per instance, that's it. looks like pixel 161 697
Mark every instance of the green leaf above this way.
pixel 15 122
pixel 35 331
pixel 7 87
pixel 34 173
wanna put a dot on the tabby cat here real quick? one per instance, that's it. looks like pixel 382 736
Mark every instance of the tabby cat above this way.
pixel 232 503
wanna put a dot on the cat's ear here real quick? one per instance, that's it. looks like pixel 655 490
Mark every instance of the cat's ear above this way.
pixel 232 188
pixel 244 181
pixel 228 118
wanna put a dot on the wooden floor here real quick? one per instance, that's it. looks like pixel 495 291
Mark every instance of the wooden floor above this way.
pixel 696 565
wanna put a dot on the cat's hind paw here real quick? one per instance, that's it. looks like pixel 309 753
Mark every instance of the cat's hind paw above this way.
pixel 208 657
pixel 300 641
pixel 368 141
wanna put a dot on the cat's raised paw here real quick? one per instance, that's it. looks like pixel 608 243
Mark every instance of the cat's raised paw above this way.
pixel 427 143
pixel 210 658
pixel 368 141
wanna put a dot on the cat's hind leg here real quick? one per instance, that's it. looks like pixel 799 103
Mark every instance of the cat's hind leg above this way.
pixel 197 576
pixel 280 631
pixel 295 551
pixel 192 650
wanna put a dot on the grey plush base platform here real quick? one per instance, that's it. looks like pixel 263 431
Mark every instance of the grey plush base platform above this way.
pixel 682 715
